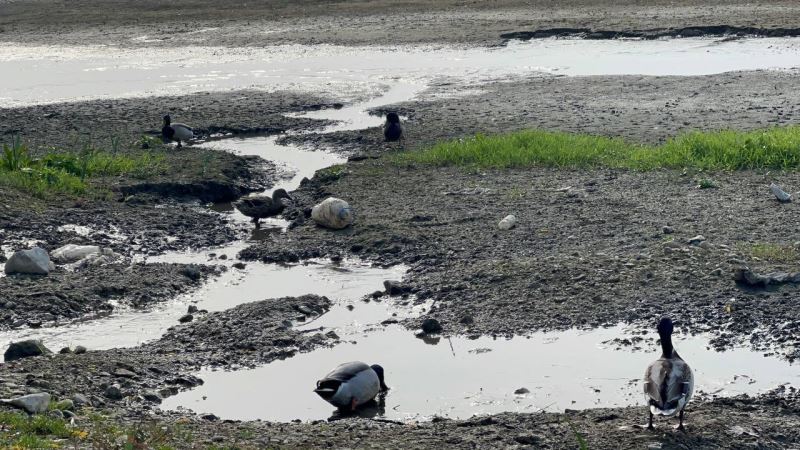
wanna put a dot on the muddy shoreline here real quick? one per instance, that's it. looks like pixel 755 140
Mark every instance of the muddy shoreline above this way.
pixel 201 22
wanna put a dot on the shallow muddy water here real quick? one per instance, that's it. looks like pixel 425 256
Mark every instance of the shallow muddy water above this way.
pixel 346 283
pixel 46 74
pixel 459 377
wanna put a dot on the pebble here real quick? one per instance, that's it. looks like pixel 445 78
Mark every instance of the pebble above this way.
pixel 113 392
pixel 431 326
pixel 187 318
pixel 696 240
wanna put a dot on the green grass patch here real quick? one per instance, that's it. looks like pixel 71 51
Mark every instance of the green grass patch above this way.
pixel 776 253
pixel 18 431
pixel 772 148
pixel 74 173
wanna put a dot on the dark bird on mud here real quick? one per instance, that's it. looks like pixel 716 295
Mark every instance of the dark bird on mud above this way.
pixel 260 206
pixel 351 385
pixel 176 132
pixel 392 130
pixel 668 381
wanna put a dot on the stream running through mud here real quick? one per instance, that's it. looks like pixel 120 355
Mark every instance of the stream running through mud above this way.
pixel 456 376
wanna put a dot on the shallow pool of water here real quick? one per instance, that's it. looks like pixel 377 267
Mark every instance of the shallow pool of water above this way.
pixel 45 74
pixel 459 377
pixel 346 283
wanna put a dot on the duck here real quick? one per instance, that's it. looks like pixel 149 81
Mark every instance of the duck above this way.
pixel 260 207
pixel 392 130
pixel 668 381
pixel 175 131
pixel 351 385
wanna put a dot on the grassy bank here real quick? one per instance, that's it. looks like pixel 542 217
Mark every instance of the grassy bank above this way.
pixel 72 173
pixel 772 148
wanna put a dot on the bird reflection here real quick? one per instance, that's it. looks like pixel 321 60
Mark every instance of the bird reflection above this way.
pixel 370 410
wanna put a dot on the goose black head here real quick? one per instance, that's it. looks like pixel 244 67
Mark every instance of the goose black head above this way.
pixel 665 326
pixel 279 194
pixel 379 370
pixel 392 117
pixel 167 120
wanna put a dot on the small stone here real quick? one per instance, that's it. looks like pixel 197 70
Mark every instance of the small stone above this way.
pixel 35 261
pixel 192 309
pixel 65 350
pixel 239 265
pixel 81 400
pixel 667 229
pixel 209 417
pixel 217 439
pixel 65 405
pixel 187 318
pixel 522 391
pixel 25 349
pixel 466 320
pixel 32 403
pixel 79 350
pixel 780 194
pixel 508 222
pixel 431 326
pixel 396 287
pixel 696 240
pixel 56 414
pixel 192 272
pixel 527 439
pixel 113 392
pixel 124 373
pixel 152 396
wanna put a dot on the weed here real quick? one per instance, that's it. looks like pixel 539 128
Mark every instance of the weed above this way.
pixel 582 444
pixel 776 253
pixel 706 183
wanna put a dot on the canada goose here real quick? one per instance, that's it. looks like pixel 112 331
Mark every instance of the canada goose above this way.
pixel 351 385
pixel 175 131
pixel 668 381
pixel 261 207
pixel 392 130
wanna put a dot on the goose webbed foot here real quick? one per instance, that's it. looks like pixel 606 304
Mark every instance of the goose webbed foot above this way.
pixel 680 426
pixel 179 145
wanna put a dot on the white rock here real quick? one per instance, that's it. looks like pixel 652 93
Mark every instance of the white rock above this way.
pixel 332 213
pixel 508 222
pixel 71 253
pixel 35 261
pixel 780 194
pixel 31 403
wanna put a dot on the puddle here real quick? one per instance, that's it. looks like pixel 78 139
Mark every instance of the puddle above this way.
pixel 345 283
pixel 460 377
pixel 46 74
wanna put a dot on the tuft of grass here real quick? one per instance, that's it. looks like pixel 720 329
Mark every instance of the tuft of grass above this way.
pixel 706 183
pixel 771 148
pixel 775 253
pixel 67 172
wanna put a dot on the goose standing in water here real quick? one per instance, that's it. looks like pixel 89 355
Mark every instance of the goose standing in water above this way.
pixel 351 385
pixel 175 131
pixel 392 130
pixel 668 381
pixel 260 207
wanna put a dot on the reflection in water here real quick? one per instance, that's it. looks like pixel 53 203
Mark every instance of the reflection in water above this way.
pixel 458 377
